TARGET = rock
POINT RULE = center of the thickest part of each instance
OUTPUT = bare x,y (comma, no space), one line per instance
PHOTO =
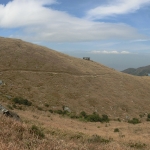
8,96
8,113
1,82
65,108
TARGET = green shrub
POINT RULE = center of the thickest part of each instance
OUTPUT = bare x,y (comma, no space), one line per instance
37,131
105,118
73,115
83,114
116,130
21,101
148,117
62,112
94,118
51,111
46,105
134,121
119,119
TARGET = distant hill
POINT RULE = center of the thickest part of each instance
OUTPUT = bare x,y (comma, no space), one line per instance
142,71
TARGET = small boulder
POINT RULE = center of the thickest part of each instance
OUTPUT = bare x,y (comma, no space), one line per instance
8,113
65,108
8,97
1,82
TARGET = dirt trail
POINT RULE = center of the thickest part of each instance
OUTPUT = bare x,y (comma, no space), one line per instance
52,72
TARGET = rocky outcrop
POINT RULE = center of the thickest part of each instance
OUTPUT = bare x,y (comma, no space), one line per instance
8,113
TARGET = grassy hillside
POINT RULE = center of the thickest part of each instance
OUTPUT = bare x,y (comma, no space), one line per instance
36,81
50,80
142,71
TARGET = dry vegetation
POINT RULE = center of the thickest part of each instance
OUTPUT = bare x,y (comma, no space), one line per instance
44,76
50,80
41,132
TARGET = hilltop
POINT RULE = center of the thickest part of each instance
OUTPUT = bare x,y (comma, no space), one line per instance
141,71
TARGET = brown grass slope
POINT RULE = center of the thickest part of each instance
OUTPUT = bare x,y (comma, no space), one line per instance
16,135
42,75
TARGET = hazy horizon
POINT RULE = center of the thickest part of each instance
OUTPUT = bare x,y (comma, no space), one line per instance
118,62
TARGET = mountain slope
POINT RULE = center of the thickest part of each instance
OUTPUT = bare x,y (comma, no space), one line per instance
142,71
50,80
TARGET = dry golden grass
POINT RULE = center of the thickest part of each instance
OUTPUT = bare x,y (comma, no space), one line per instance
44,76
64,133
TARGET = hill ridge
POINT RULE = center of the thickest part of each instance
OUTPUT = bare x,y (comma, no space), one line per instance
141,71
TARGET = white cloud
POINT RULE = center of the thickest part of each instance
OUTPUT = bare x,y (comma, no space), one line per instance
116,7
140,40
109,52
40,23
125,52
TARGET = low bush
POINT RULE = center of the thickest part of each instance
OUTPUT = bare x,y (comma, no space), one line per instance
46,105
148,117
83,114
51,111
134,121
73,116
94,118
105,118
116,130
21,101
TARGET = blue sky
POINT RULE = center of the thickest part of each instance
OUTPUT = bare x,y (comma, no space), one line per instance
115,33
